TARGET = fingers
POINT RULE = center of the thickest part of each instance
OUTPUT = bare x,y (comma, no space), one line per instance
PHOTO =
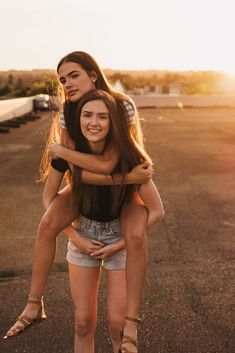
98,254
96,246
101,257
97,242
147,167
148,170
87,246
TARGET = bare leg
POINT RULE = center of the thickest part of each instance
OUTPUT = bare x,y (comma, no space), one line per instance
134,226
59,214
116,305
84,283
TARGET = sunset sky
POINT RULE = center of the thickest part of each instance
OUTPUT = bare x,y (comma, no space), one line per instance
123,34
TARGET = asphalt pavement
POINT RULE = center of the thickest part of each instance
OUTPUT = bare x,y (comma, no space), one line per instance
189,300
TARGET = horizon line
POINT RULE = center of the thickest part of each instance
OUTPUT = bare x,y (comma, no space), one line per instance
131,70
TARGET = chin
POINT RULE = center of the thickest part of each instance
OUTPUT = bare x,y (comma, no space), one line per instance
75,98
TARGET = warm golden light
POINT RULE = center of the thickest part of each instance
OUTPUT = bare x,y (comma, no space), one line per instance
161,34
231,72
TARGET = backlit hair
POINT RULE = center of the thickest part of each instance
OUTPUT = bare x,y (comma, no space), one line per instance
129,152
89,64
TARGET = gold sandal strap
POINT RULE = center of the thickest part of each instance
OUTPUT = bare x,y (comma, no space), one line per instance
16,330
129,339
25,320
125,350
38,302
138,320
35,297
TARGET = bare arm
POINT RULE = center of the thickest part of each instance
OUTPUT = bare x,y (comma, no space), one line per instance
97,169
93,247
85,244
66,140
152,200
138,175
103,164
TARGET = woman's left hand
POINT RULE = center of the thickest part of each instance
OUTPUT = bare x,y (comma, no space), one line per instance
141,174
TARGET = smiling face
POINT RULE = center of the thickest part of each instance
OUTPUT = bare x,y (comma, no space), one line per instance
95,124
75,80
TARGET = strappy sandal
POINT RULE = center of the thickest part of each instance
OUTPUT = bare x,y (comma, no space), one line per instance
128,339
26,321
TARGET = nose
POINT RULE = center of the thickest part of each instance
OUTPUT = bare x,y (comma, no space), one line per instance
67,82
94,120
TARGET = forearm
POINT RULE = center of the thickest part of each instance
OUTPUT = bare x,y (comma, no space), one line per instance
66,140
119,245
103,164
71,233
152,200
100,179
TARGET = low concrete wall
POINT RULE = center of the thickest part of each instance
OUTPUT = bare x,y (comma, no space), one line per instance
13,108
195,101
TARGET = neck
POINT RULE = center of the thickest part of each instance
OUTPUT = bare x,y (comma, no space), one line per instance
97,148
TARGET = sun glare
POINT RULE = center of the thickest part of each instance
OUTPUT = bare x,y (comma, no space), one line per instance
230,71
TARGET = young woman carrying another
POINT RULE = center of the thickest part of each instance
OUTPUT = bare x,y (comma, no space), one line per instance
97,124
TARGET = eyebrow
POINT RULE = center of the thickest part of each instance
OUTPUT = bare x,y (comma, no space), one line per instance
69,74
101,113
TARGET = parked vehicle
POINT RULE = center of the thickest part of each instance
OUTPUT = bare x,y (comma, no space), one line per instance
41,102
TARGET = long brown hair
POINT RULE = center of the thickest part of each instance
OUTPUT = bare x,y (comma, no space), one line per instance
89,64
119,136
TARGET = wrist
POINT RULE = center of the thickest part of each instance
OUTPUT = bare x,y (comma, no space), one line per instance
60,151
129,178
118,246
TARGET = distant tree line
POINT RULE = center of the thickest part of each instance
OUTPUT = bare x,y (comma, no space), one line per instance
29,83
192,82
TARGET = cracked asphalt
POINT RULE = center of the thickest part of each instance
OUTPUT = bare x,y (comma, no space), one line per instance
189,300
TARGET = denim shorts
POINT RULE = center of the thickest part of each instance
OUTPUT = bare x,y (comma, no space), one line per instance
106,232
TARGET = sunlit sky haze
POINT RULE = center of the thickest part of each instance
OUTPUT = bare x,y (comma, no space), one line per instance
124,34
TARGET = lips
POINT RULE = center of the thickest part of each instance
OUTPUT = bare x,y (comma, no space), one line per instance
94,130
72,93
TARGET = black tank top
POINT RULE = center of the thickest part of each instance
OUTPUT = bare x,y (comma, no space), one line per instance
101,211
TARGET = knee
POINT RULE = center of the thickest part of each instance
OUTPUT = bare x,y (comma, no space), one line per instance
84,326
48,226
136,239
